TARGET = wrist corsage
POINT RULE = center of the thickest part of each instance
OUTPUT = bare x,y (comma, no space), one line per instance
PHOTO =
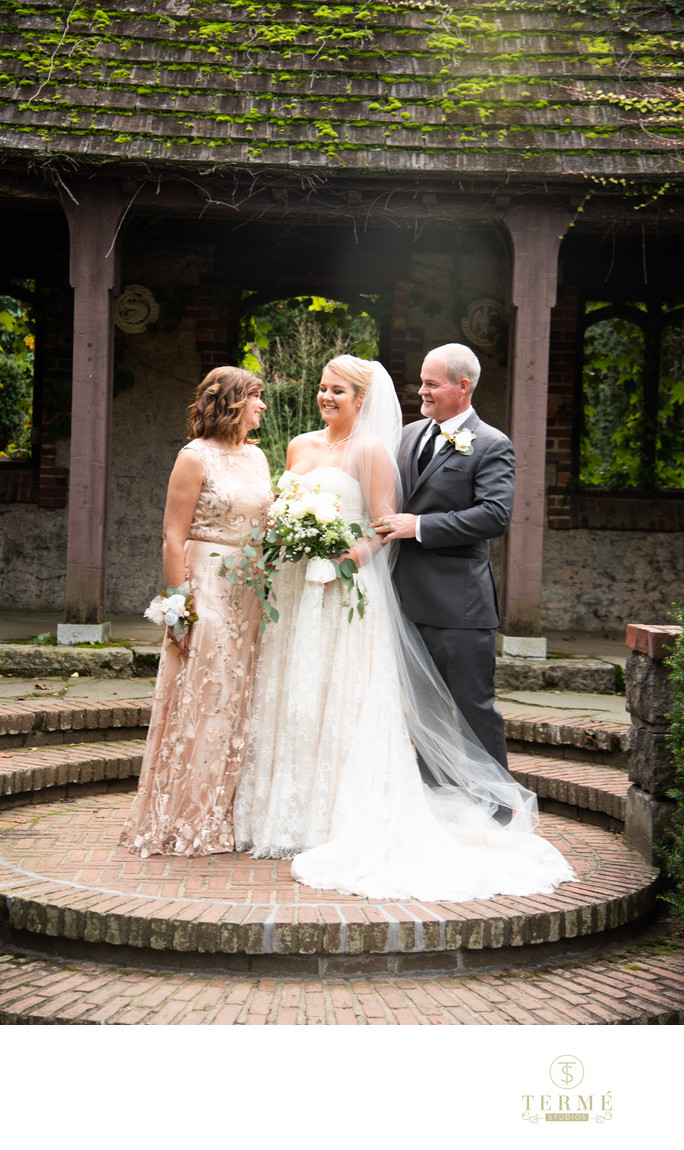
461,440
173,607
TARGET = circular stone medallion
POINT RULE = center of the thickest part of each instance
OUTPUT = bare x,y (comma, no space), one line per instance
135,309
484,323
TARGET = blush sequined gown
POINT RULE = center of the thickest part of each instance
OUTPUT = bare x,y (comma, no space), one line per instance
202,700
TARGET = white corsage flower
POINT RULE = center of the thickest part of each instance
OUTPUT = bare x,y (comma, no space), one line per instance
155,611
175,605
176,610
461,440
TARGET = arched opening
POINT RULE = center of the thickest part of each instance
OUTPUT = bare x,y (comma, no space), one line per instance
288,342
632,414
17,372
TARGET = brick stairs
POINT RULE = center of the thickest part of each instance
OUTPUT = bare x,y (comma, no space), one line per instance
90,933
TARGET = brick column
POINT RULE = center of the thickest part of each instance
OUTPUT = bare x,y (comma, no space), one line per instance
649,699
535,232
93,228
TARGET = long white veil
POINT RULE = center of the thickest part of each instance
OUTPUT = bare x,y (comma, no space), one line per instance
460,771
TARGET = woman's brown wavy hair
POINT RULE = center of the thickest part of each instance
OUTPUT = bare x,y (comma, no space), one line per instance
219,403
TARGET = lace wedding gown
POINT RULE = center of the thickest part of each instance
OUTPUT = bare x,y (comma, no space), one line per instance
331,775
200,713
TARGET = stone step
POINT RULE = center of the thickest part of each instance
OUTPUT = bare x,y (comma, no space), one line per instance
66,886
27,659
634,983
552,735
47,773
587,791
43,774
45,722
38,722
593,676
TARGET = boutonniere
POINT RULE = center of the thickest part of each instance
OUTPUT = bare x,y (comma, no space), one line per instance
460,440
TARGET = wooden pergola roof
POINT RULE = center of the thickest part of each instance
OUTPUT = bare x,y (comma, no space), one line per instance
480,91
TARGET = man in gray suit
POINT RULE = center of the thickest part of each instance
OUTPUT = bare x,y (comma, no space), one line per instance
458,475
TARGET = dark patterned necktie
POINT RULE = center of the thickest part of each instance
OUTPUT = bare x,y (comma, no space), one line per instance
428,449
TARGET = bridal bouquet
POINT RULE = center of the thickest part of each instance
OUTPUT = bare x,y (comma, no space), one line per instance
173,607
302,524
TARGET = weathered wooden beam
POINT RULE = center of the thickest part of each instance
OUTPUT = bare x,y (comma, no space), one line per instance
535,232
94,220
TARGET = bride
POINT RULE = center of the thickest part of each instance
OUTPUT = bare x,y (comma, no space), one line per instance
343,707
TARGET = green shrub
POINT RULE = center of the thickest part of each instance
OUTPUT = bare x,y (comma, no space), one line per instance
672,852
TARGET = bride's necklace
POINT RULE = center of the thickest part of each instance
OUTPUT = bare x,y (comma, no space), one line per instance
337,441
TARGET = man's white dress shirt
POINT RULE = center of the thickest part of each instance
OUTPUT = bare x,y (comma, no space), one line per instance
448,427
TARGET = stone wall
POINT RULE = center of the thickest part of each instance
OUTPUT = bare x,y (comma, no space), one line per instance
649,700
596,580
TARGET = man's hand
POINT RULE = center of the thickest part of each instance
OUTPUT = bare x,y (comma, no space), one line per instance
396,527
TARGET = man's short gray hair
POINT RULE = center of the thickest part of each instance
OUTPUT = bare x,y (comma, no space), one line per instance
460,363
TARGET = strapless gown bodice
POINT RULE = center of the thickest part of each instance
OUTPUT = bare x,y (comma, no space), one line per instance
341,484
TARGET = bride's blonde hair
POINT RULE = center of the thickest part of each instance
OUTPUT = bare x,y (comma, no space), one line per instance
357,372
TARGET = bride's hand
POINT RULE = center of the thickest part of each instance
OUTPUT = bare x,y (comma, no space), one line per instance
353,555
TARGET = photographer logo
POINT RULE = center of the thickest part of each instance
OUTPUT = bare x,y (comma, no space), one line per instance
566,1103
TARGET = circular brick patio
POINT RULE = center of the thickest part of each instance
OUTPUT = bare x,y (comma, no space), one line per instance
64,876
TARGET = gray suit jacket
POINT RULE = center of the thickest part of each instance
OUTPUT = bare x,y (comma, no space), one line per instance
463,501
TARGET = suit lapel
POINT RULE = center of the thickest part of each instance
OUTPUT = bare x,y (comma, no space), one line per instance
439,458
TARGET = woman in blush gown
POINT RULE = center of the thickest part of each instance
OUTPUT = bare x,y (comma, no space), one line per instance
219,489
343,708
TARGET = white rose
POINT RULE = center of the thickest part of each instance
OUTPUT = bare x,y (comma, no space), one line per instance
297,509
277,508
463,438
175,603
325,513
171,618
312,502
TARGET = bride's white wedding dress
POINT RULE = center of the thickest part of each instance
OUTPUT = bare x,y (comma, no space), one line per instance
331,774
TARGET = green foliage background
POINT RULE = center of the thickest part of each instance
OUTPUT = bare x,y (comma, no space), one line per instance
673,852
288,343
16,378
616,450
